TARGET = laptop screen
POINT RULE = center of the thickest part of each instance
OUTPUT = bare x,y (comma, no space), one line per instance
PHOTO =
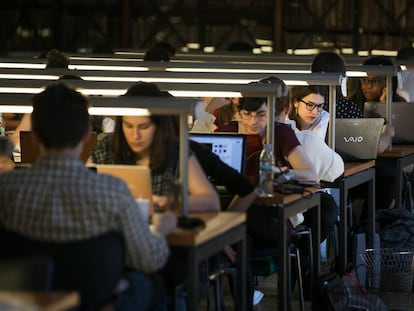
229,147
401,119
358,139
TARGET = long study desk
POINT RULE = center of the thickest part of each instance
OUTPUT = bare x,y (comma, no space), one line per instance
45,301
355,174
288,206
399,156
221,229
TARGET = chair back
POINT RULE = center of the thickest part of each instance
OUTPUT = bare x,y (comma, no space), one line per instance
90,266
30,149
28,273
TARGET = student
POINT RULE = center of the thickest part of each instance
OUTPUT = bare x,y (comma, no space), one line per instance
262,221
69,202
288,154
305,100
330,62
326,62
373,87
152,141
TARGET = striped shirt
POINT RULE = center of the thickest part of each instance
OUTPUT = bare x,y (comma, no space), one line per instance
58,199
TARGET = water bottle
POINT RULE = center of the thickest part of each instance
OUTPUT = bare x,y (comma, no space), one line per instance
267,162
2,126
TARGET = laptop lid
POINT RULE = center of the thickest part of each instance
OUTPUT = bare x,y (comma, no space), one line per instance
137,177
358,139
231,148
30,149
401,119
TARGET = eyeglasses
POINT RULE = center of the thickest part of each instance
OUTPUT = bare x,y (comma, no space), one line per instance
372,82
310,106
247,115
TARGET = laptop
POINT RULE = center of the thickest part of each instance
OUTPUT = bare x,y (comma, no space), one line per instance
30,149
137,177
358,139
231,148
401,119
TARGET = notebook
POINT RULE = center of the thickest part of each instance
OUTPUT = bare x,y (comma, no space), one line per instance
358,139
231,148
30,149
137,177
401,119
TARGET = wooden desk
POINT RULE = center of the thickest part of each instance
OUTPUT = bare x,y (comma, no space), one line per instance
355,174
288,206
222,229
45,301
399,156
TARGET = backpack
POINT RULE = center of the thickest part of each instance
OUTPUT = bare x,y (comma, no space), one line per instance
344,293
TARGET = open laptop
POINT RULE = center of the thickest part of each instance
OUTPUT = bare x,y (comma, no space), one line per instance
358,139
401,119
30,149
137,177
231,148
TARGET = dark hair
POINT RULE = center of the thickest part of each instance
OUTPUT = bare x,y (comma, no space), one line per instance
141,88
166,46
157,54
282,102
299,92
328,62
60,116
378,61
164,137
251,103
226,113
57,59
70,77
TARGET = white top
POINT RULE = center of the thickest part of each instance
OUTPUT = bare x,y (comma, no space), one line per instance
328,164
204,123
320,127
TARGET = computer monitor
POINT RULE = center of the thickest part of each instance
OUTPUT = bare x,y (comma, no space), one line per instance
231,148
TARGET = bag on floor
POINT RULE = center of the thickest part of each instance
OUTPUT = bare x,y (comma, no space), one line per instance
336,293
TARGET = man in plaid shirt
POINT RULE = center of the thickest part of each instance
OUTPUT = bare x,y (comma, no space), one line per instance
59,199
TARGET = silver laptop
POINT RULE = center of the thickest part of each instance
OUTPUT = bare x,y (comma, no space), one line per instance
402,119
358,139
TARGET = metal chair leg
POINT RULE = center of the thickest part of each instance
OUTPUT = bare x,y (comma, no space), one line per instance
296,254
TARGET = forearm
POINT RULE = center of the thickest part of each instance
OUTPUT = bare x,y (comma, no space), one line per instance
208,202
241,204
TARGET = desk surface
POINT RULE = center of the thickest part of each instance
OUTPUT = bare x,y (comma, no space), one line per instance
45,301
216,224
352,168
281,199
398,151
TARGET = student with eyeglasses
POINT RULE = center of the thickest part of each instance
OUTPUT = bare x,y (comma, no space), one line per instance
373,87
307,109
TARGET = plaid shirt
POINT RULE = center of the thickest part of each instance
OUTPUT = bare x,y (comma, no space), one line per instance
59,199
